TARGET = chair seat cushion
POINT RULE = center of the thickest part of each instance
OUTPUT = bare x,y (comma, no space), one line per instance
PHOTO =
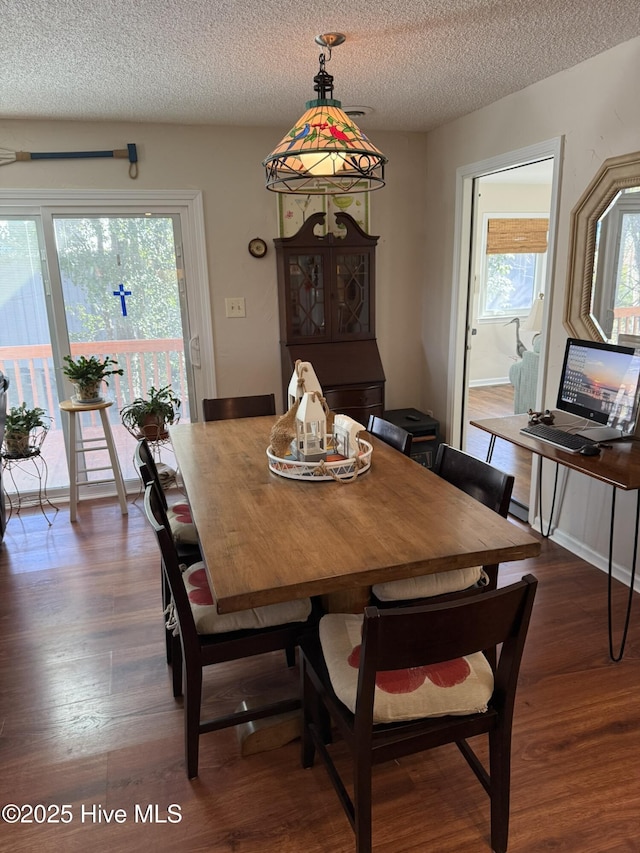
462,686
209,621
182,527
426,586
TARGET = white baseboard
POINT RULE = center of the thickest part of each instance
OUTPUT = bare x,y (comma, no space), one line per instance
600,561
482,383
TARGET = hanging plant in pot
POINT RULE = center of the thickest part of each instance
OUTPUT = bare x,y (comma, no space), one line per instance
149,417
88,374
20,438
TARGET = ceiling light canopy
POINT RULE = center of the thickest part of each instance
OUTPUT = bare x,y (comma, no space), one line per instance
325,152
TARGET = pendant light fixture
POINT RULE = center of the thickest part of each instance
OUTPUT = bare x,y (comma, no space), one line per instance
325,152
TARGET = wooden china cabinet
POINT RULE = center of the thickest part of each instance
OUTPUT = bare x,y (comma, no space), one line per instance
326,298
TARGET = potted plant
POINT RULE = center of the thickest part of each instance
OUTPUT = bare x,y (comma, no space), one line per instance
148,417
88,374
19,426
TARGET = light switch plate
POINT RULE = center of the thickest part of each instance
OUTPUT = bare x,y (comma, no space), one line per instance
235,306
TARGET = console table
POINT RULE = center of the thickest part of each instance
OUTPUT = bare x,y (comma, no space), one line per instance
617,465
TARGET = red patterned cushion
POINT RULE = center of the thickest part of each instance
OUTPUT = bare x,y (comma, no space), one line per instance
209,621
181,524
462,686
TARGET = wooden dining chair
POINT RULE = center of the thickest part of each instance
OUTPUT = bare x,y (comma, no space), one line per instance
224,408
179,514
186,540
486,484
207,637
390,433
399,681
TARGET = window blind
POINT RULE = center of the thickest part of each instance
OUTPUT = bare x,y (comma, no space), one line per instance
517,236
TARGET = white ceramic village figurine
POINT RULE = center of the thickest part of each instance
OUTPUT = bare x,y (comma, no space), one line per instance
310,443
302,379
345,436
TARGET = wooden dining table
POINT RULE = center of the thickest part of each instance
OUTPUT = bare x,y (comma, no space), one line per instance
267,539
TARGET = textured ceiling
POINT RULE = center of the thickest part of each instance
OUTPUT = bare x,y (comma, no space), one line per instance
417,63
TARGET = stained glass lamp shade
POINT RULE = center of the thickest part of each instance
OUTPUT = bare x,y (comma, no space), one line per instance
324,152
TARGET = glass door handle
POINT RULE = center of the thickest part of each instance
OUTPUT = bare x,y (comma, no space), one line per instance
194,349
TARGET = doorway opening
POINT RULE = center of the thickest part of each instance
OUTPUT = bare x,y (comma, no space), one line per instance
505,238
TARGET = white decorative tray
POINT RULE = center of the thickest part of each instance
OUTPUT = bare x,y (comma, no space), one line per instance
340,469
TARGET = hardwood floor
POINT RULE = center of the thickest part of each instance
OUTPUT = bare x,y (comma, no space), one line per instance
493,402
87,719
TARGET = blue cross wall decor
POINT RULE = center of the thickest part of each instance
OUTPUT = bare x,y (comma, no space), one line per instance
121,292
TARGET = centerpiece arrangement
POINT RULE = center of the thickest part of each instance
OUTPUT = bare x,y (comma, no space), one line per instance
88,374
310,442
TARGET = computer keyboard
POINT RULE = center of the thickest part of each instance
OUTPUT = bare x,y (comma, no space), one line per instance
569,441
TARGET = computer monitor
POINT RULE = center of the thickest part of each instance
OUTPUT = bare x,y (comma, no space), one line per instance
600,383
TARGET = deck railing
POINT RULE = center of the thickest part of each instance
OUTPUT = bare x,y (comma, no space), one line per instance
626,321
156,362
32,379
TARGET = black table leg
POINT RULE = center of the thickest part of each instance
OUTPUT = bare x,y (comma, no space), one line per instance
618,657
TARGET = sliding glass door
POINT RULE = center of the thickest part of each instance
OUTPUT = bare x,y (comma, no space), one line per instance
100,284
119,281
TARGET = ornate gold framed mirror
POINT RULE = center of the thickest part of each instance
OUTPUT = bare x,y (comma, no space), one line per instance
603,284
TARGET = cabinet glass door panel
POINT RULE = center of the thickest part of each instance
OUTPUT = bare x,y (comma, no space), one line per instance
307,296
353,315
326,295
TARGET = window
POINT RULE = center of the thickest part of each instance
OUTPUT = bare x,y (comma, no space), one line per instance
513,265
616,294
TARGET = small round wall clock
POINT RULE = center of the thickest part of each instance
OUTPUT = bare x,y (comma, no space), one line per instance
257,247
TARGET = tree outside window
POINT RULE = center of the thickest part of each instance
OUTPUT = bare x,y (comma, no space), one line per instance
514,263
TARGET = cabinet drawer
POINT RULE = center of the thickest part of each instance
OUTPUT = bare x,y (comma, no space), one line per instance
341,398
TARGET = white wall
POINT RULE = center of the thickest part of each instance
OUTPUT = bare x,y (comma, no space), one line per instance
224,163
595,107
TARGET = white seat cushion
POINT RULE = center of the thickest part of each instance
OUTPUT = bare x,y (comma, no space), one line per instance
182,527
462,686
426,586
209,621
